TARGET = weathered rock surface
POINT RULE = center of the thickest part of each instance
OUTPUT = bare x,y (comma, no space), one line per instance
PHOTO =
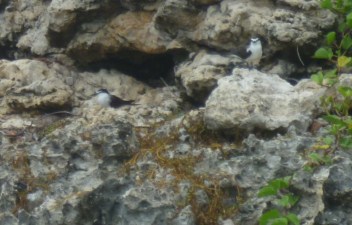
126,87
249,99
90,31
156,162
31,84
199,75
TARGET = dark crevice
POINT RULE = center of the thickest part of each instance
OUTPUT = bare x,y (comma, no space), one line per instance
152,69
290,55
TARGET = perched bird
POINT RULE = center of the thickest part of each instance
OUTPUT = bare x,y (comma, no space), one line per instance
256,52
105,99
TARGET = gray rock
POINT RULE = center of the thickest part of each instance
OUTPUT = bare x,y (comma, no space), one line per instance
338,186
33,85
249,99
119,205
139,164
227,222
74,28
8,219
185,217
199,75
229,25
117,145
64,167
340,215
284,69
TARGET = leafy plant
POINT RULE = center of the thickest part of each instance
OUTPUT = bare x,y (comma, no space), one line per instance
338,45
315,159
337,50
325,78
283,201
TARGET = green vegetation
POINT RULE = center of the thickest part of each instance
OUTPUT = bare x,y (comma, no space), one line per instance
283,201
337,105
338,43
320,156
337,52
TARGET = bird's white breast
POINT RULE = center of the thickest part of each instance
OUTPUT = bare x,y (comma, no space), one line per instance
103,99
256,52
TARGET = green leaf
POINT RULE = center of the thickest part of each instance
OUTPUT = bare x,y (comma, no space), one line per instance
287,200
342,61
328,140
318,78
339,3
267,191
342,27
346,142
268,216
292,200
346,42
315,157
331,73
326,4
287,180
348,122
333,119
308,168
348,6
280,183
345,91
323,53
326,159
279,221
330,37
349,19
284,201
336,129
292,218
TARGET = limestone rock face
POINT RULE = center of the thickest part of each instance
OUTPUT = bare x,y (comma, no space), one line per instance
336,192
199,75
227,24
128,30
249,99
118,84
30,85
89,31
164,159
141,205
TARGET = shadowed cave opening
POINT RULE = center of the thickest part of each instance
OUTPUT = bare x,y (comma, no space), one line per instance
156,70
297,56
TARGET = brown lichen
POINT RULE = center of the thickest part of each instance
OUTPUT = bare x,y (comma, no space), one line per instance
155,147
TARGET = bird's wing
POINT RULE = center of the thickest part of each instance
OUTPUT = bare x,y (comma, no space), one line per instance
249,49
117,102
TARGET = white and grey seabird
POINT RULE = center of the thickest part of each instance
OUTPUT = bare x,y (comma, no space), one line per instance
256,52
105,99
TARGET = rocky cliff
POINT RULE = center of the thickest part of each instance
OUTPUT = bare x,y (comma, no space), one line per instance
206,131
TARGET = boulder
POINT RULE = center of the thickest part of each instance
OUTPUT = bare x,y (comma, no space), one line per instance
249,99
34,85
199,74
